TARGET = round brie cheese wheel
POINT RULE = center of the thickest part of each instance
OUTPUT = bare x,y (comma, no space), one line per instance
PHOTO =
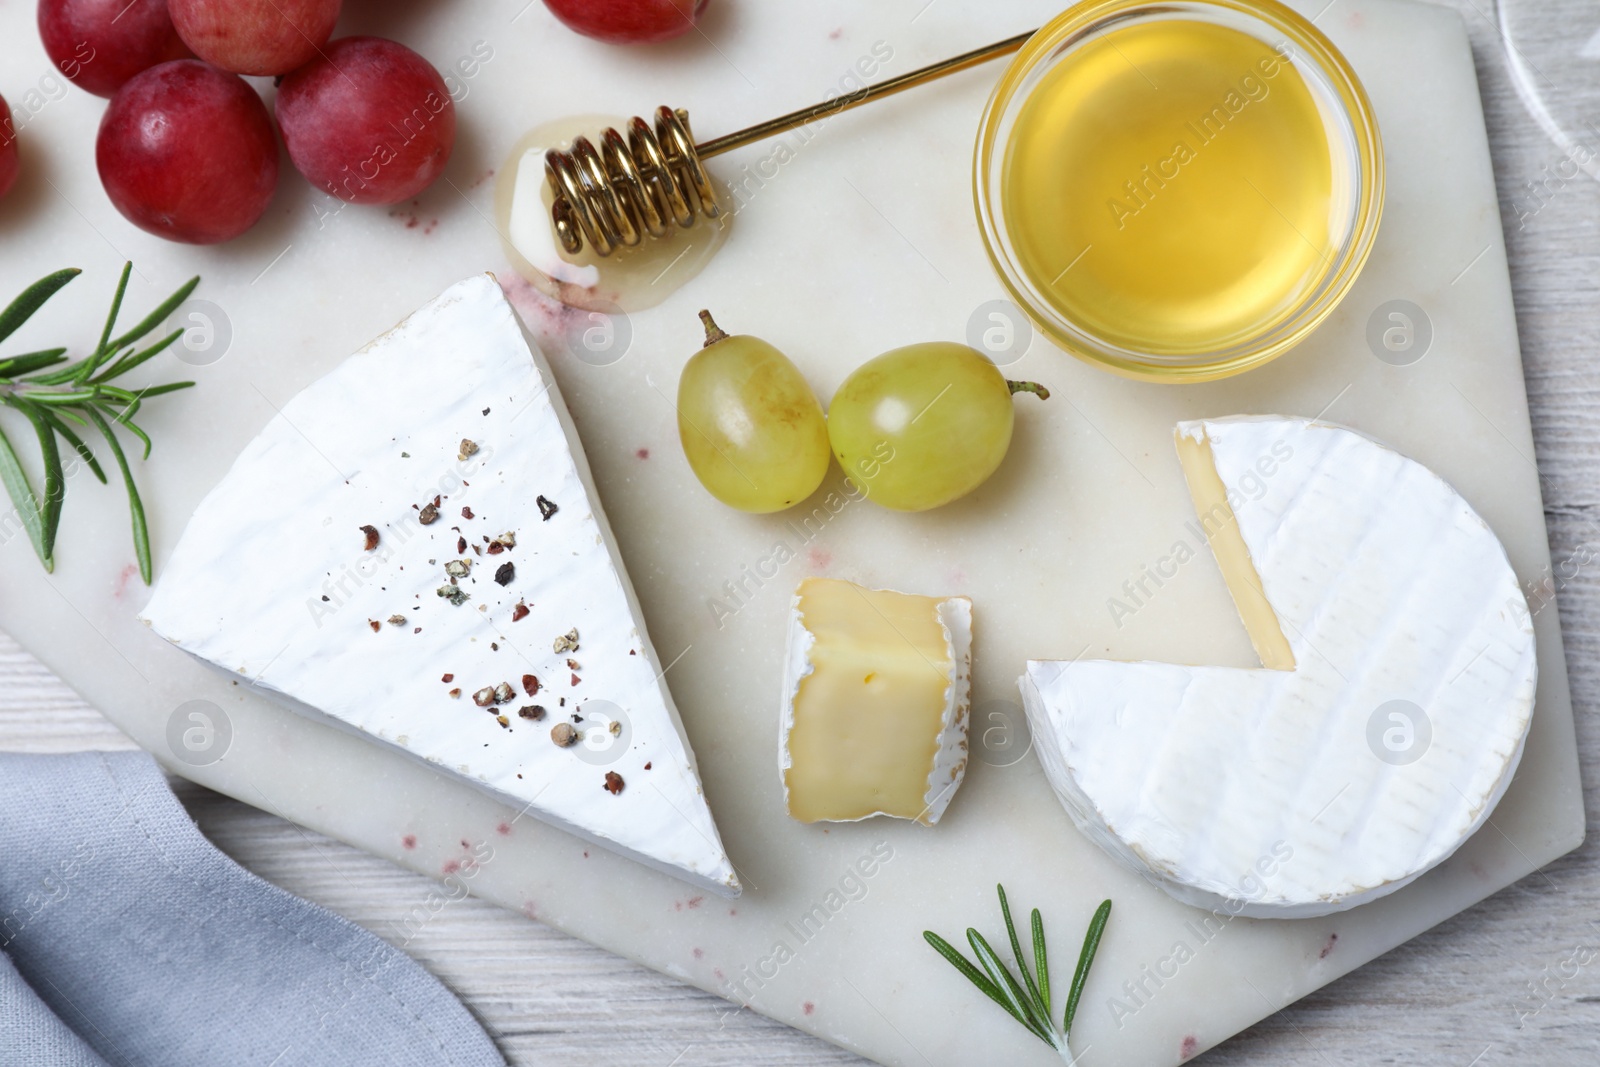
1386,721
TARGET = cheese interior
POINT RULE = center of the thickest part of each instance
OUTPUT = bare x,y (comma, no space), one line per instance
868,714
1227,545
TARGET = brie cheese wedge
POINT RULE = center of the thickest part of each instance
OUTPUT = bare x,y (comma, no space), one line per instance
877,694
414,549
1386,722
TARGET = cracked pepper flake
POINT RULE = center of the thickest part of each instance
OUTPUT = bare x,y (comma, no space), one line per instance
503,692
567,642
453,593
563,734
505,573
397,620
484,697
468,448
458,568
531,711
547,507
530,684
371,533
519,612
614,783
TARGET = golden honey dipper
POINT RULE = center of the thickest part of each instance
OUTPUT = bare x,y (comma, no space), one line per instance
615,194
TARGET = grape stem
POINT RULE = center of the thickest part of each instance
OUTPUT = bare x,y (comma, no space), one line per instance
1020,387
713,331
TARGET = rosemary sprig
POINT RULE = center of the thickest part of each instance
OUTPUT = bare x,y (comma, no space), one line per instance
1027,1001
49,396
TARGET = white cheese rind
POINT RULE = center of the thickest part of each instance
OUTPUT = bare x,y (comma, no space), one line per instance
796,666
950,762
1259,791
271,580
950,759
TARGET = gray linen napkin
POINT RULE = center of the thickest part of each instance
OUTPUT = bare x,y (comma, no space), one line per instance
137,944
30,1033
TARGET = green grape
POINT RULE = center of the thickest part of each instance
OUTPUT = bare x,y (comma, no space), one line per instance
751,427
922,425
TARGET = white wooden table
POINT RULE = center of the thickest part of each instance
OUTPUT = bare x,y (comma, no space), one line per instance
1514,981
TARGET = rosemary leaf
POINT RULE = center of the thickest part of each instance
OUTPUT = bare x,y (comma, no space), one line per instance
1039,962
28,362
68,413
131,360
140,434
1016,1000
116,306
115,392
163,390
1091,945
33,297
158,316
65,396
55,479
83,450
22,496
968,971
141,530
64,376
1022,963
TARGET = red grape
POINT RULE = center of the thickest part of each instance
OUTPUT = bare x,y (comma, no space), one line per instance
8,149
370,122
99,44
628,21
186,151
255,36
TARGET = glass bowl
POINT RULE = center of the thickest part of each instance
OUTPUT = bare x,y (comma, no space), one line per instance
1172,329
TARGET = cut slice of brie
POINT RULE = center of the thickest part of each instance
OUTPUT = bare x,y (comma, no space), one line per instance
876,701
414,549
1388,731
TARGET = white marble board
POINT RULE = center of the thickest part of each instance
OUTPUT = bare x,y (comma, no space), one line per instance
850,243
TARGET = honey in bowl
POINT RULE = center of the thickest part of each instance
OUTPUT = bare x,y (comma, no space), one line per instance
1179,191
